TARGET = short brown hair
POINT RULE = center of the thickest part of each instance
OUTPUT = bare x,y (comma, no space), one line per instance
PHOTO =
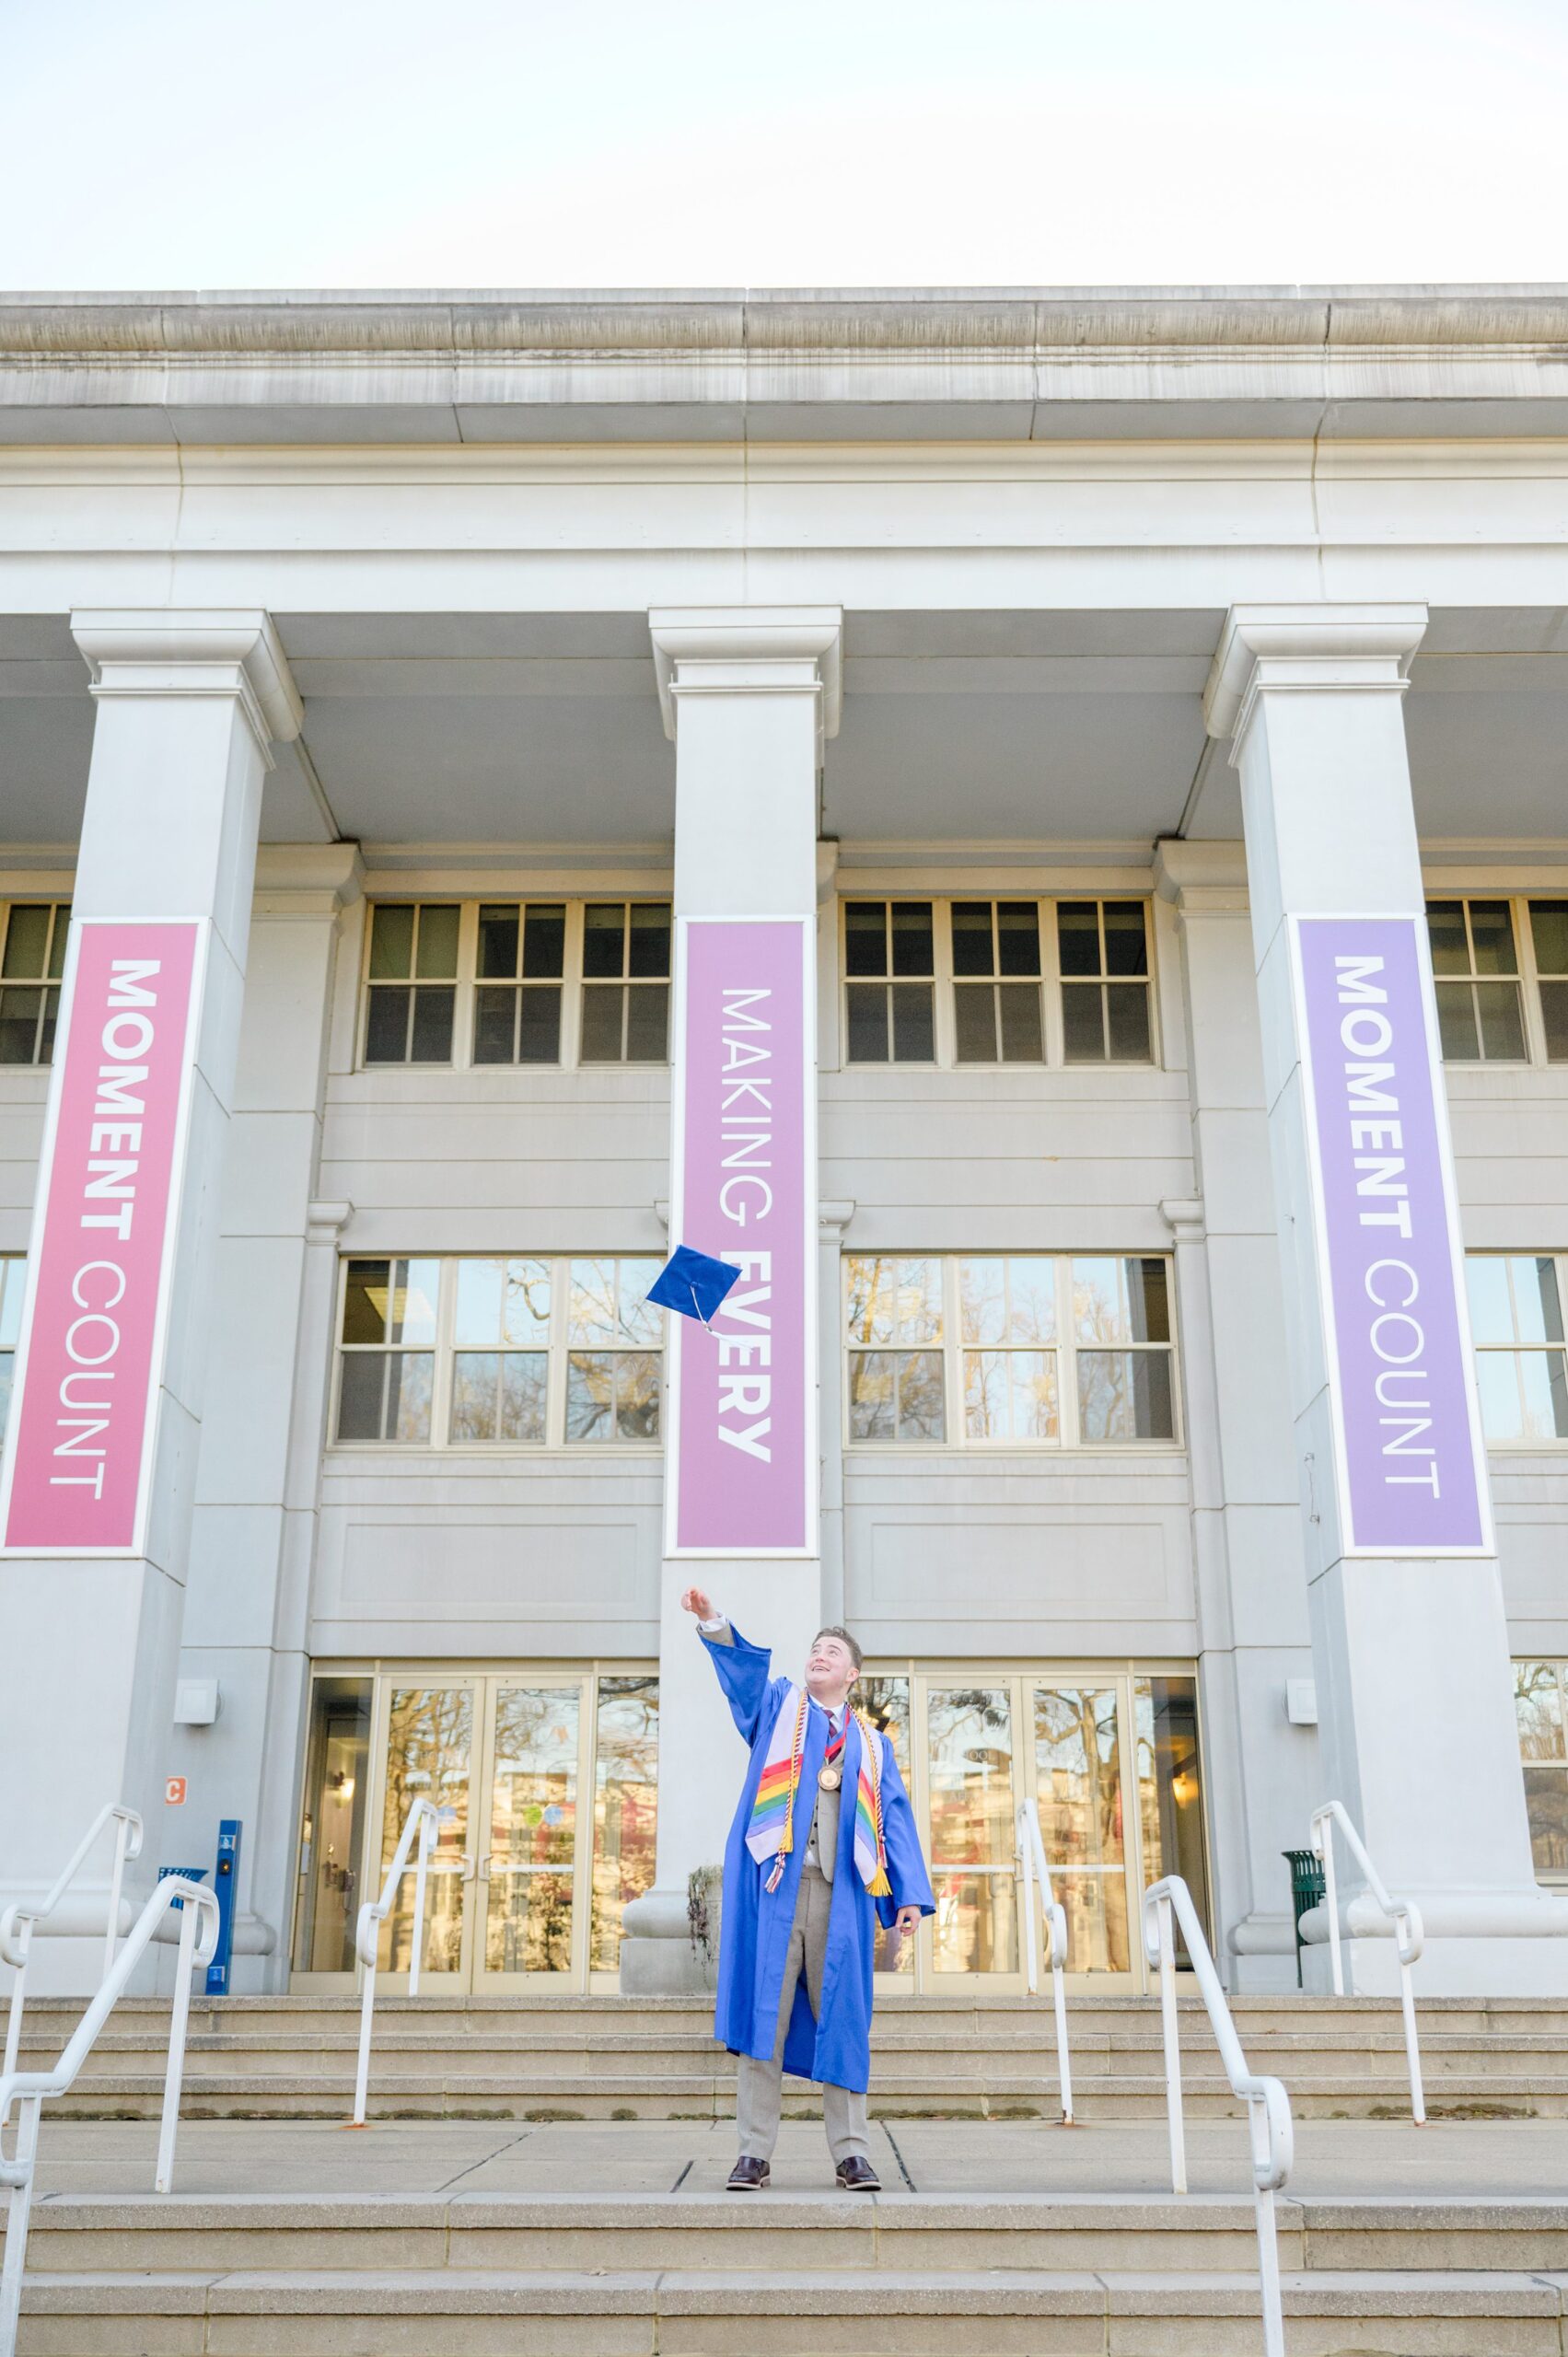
844,1639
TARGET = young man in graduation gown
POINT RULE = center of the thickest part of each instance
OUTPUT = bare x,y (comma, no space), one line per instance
822,1849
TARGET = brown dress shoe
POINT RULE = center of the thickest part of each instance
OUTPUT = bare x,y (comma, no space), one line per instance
856,2176
747,2176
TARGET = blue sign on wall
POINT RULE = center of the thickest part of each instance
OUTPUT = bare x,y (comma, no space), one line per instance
225,1878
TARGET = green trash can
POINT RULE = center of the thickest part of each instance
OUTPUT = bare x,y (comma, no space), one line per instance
1307,1889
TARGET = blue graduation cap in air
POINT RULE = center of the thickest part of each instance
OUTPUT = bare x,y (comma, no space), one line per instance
692,1284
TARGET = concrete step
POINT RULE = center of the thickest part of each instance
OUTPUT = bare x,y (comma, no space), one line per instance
1019,2312
782,2232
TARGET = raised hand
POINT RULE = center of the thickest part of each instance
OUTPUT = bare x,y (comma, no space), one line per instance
697,1602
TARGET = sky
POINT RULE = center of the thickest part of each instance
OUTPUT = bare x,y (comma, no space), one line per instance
163,145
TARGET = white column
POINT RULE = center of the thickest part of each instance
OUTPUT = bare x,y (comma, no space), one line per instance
1260,1771
188,705
748,696
1417,1733
254,1535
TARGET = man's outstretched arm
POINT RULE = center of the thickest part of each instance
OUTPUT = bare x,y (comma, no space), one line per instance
742,1668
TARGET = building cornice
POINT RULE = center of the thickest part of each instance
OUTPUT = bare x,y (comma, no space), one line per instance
1004,363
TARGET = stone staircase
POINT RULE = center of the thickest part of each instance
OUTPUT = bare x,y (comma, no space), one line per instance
537,2058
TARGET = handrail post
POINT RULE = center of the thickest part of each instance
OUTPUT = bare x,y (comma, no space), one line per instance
1403,1913
420,1871
1331,1900
1026,1866
1165,1935
1059,2002
116,1883
19,1997
1413,2046
174,2070
20,2175
362,2074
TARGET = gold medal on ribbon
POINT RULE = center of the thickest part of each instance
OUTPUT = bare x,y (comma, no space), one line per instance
830,1779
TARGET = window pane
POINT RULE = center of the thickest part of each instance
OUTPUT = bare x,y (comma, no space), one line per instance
871,1376
533,1793
410,1375
13,1285
1170,1803
975,1930
974,1008
921,1412
1127,1010
1545,1390
1455,1024
544,941
429,1748
475,1377
1096,1909
1124,1395
19,1011
1023,1040
1445,928
57,939
871,1313
1083,1023
650,938
918,1300
914,1030
602,1014
982,1298
361,1382
523,1374
366,1299
477,1317
1149,1307
494,1026
1538,1703
1549,930
1077,936
539,1027
499,933
867,1023
1031,1298
865,937
391,941
1491,1297
625,1807
637,1395
639,1319
1099,1307
591,1311
1010,1395
914,951
433,1011
1500,1018
590,1396
46,1037
1017,936
415,1296
1079,1776
1126,937
985,1395
1501,1399
1491,937
1537,1311
971,937
1554,1020
27,941
1546,1798
386,1027
525,1306
604,939
970,1734
647,1026
435,947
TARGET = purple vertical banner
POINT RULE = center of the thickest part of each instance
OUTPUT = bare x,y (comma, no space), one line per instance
1411,1463
740,1464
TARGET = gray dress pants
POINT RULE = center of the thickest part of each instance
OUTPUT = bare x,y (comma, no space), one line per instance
759,2085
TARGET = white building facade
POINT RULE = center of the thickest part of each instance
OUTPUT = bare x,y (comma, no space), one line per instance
425,694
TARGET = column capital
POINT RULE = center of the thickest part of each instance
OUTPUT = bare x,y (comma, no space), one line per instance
749,650
174,651
1311,647
1204,876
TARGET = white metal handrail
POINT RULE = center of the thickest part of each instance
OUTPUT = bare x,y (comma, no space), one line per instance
1032,1865
1268,2105
20,1922
1410,1934
423,1821
30,2090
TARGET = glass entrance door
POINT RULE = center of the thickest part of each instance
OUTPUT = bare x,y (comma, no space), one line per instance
1111,1758
544,1786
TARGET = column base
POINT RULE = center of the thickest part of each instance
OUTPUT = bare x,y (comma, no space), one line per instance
1477,1944
660,1956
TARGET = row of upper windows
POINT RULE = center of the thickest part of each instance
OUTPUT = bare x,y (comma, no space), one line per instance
939,983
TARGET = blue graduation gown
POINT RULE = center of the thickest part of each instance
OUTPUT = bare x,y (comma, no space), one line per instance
755,1923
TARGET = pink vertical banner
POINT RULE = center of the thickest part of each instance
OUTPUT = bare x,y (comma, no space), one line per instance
740,1465
89,1363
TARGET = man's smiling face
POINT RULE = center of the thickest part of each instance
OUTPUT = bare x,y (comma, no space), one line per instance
829,1669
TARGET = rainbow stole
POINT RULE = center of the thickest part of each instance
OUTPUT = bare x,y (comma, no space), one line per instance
771,1834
